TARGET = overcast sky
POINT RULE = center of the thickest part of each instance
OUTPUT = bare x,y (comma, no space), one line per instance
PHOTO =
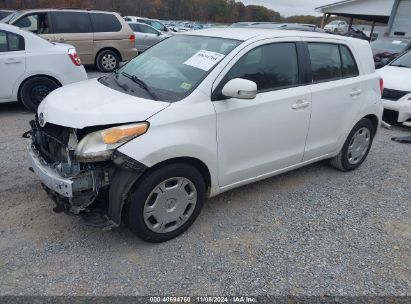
291,7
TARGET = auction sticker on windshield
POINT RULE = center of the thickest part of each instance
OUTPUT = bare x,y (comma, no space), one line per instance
204,60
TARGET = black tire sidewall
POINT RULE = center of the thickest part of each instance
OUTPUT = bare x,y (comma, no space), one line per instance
100,57
142,189
363,123
27,86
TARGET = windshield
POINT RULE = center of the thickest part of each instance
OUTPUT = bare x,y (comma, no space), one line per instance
334,22
10,17
403,61
173,68
390,45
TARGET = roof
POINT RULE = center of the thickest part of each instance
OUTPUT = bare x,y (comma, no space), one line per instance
244,34
372,10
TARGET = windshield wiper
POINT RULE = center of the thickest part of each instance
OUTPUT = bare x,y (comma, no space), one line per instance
401,66
141,83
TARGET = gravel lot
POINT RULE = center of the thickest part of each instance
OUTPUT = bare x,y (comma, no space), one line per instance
313,231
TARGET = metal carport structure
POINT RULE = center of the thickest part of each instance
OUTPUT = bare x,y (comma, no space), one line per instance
369,10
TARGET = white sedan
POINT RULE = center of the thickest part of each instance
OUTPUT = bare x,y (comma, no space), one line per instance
396,97
31,67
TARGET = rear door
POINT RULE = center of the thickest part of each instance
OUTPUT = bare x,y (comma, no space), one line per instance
74,28
12,62
337,95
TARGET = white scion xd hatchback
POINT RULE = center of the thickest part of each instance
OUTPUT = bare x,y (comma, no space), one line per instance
199,114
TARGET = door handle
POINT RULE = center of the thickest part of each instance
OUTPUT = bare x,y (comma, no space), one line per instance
62,39
355,92
301,104
12,61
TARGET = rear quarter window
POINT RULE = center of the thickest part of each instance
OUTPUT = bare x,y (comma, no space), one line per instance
104,23
349,66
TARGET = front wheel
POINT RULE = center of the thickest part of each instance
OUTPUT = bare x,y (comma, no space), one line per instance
356,147
166,202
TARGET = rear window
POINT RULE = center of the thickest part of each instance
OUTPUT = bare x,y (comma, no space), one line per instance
105,22
71,22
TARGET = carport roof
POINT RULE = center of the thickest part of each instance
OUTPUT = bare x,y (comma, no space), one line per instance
371,10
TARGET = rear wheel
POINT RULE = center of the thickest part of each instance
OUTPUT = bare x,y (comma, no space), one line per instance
107,61
356,147
166,202
34,90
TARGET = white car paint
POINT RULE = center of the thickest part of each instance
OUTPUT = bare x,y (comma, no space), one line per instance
40,57
398,78
230,136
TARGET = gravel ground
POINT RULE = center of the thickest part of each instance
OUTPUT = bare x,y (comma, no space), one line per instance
313,231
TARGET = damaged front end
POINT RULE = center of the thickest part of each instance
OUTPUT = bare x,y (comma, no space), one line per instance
78,176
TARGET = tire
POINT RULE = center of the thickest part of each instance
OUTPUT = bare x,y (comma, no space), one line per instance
107,61
34,90
147,214
356,147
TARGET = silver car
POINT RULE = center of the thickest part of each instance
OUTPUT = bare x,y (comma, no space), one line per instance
146,35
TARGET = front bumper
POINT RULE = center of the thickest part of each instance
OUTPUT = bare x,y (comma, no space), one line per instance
68,187
402,106
48,175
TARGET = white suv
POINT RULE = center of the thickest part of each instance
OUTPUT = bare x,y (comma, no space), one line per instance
199,114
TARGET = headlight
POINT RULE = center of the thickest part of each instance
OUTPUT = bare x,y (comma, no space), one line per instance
98,146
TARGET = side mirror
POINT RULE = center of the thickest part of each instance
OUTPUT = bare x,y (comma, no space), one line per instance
240,88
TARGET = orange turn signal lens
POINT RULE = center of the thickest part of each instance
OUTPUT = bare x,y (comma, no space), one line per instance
122,133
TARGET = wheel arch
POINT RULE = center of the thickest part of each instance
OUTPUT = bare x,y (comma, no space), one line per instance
36,76
108,48
374,120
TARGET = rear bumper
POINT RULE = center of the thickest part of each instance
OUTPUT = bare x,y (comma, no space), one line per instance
128,54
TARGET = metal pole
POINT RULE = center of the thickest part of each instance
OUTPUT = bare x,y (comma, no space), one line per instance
372,30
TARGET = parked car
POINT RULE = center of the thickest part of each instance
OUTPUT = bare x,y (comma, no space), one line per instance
396,97
289,26
101,38
387,49
337,26
5,13
201,113
154,23
31,67
146,35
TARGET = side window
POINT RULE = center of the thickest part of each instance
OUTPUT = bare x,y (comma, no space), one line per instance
3,42
147,29
70,22
271,66
35,23
349,67
105,23
325,61
10,42
158,26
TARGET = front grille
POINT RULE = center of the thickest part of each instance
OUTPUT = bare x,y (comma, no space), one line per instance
393,95
51,141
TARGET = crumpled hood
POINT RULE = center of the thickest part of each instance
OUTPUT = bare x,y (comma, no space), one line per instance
90,103
396,78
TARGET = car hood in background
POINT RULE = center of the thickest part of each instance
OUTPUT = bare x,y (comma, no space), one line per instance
396,78
89,103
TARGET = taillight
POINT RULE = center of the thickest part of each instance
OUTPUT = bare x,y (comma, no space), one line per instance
74,57
381,85
132,38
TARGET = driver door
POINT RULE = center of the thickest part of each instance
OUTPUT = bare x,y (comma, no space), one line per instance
258,137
